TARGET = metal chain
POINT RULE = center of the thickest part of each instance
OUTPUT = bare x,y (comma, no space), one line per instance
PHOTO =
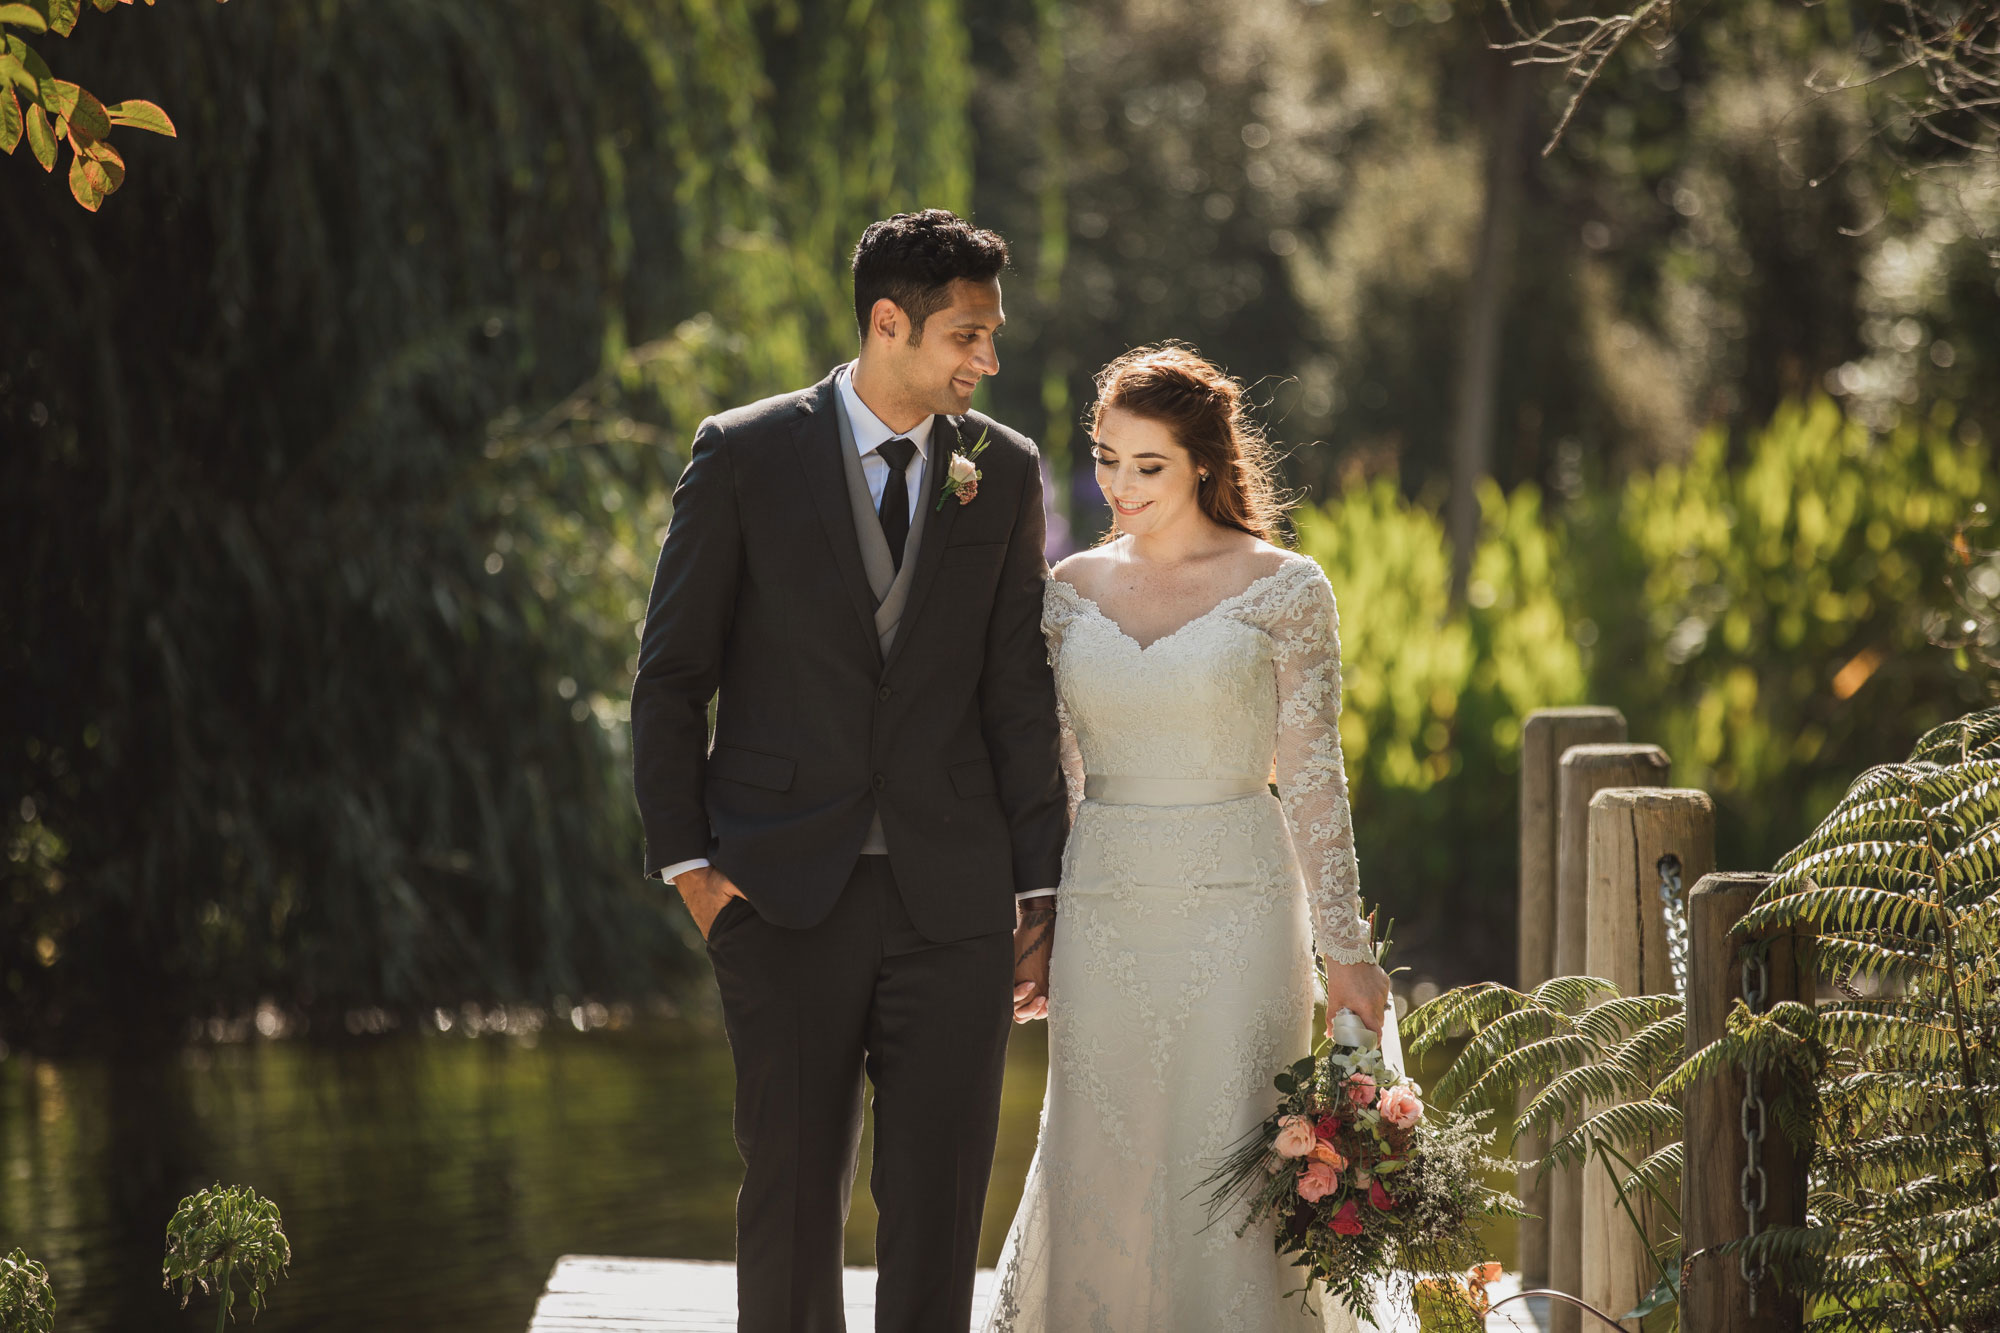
1673,909
1753,1189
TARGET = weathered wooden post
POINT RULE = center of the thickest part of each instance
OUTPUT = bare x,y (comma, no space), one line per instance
1645,844
1585,771
1544,736
1717,1181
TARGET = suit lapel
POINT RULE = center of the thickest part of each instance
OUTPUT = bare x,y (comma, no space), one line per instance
817,441
937,525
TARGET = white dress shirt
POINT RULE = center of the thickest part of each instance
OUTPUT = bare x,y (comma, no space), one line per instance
870,434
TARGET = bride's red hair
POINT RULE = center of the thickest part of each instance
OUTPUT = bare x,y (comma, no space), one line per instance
1173,384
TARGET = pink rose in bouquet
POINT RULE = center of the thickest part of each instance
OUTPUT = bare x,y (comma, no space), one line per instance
1401,1106
1295,1136
1348,1220
1361,1090
1317,1181
1326,1152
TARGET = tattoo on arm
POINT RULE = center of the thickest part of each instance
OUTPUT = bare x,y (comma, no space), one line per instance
1038,925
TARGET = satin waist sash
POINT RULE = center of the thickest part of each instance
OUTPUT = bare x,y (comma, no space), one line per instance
1170,791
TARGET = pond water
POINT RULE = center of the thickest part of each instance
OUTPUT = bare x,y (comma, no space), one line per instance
428,1181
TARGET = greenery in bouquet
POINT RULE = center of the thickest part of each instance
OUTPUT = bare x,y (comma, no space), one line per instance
1370,1191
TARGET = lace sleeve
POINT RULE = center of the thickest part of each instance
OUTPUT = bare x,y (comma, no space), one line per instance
1312,777
1058,609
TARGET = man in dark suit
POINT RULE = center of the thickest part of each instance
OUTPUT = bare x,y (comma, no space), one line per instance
870,844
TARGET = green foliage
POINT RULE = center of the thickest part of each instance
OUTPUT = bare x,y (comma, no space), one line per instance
1901,884
62,111
27,1301
1768,618
221,1237
1433,696
332,533
1894,1083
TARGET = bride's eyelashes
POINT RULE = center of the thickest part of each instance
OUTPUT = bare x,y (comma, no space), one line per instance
1102,461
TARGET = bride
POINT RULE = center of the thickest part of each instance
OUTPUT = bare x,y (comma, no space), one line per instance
1189,653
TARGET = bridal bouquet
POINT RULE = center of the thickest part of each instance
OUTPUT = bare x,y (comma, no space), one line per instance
1372,1191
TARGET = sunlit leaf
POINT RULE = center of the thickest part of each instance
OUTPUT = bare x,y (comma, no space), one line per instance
62,15
106,6
89,121
23,16
15,72
40,138
10,121
141,115
87,192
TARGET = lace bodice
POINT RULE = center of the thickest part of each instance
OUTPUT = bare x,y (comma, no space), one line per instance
1253,679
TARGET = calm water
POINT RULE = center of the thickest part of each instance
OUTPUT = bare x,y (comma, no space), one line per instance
428,1181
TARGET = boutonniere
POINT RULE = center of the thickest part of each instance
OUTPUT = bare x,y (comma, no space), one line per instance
961,478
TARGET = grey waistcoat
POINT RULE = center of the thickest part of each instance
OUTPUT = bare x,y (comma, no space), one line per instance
890,585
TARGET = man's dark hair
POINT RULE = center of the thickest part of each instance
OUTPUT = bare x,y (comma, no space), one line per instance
913,258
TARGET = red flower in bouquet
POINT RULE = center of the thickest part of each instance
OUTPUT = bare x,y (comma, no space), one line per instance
1348,1220
1328,1127
1379,1196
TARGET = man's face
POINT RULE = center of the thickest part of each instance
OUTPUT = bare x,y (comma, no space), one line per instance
939,373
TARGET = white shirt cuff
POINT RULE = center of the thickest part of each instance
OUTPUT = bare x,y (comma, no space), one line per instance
1034,893
682,867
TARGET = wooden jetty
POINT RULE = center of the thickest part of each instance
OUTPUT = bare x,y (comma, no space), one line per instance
599,1294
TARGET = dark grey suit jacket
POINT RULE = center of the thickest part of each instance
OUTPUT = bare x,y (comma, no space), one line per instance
760,603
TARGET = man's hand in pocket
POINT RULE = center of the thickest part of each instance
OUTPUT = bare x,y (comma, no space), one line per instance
706,891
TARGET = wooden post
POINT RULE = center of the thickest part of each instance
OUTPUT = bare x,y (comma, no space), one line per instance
1585,771
1631,830
1544,736
1715,1295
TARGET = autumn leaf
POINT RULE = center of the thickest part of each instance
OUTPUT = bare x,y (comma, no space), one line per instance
141,115
40,139
24,16
88,120
10,121
81,186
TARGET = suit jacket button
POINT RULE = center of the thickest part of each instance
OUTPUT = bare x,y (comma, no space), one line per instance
884,693
880,782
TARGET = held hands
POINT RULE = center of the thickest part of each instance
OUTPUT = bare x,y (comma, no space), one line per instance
1362,988
705,890
1034,941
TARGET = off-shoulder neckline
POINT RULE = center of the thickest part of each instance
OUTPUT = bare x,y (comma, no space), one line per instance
1255,585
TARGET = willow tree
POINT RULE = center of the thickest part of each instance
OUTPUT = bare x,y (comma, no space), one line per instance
324,570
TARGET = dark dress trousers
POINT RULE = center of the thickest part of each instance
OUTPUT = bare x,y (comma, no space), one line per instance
836,963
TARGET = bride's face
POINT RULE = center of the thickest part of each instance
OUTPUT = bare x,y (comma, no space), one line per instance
1148,479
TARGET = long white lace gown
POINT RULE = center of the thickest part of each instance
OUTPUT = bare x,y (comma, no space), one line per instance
1182,980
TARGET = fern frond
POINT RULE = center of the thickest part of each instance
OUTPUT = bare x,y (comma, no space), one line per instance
1460,1009
1509,1032
1624,1126
1855,908
1571,994
1614,1019
1661,1171
1570,1092
1653,1049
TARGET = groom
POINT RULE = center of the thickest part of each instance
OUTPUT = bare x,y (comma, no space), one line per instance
882,784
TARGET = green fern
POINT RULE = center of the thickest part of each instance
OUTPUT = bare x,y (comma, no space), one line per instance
1895,1083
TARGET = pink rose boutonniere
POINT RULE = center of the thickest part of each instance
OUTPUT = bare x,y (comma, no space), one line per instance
961,478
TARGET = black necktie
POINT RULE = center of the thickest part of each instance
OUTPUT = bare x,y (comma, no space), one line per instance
895,511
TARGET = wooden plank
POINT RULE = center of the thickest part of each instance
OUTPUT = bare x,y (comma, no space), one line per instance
589,1293
1584,770
1715,1295
1545,736
1631,828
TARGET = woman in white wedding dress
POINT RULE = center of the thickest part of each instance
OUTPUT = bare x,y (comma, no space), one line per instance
1190,654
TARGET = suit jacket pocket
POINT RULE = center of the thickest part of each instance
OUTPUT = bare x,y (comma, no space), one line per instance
973,778
768,771
974,554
